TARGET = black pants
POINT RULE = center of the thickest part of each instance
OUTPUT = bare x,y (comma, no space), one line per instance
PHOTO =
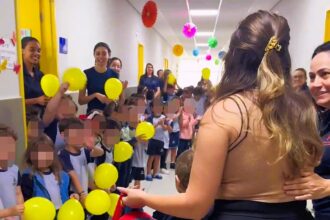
250,210
124,172
163,159
183,146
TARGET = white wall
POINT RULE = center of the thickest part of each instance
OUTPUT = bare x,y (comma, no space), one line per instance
9,80
307,22
116,22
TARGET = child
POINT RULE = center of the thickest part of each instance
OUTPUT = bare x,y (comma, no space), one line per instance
156,144
187,122
173,111
109,137
75,157
182,175
10,179
43,176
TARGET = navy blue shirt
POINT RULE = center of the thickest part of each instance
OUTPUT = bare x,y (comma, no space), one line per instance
95,83
323,205
152,83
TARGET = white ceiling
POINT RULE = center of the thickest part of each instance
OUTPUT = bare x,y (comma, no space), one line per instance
173,14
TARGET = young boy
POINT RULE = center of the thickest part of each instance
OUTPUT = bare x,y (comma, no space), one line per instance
75,157
182,175
10,178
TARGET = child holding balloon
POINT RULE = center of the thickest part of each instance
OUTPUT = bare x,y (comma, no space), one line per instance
43,176
75,157
10,178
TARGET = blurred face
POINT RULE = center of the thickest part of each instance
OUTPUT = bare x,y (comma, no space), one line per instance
111,137
31,53
116,66
189,106
320,79
298,79
76,137
8,150
172,107
150,69
66,109
43,158
161,74
157,108
34,129
101,56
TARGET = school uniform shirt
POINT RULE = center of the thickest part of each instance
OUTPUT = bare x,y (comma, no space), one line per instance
166,140
159,131
78,163
152,82
32,87
95,84
54,192
200,106
9,180
107,157
140,156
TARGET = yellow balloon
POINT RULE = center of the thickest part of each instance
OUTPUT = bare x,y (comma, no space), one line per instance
50,85
178,50
105,175
97,202
114,200
171,79
76,78
145,129
38,208
113,88
206,72
71,209
122,152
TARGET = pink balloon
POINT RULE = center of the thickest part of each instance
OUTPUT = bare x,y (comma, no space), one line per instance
208,57
189,30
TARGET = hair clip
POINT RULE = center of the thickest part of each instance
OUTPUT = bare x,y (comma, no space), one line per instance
273,44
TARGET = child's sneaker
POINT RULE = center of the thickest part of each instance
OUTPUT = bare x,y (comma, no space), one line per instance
164,171
149,178
157,176
172,166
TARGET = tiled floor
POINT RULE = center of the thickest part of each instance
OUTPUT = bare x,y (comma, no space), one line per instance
165,186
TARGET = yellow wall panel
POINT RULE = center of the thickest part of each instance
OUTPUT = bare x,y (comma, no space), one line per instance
327,27
140,61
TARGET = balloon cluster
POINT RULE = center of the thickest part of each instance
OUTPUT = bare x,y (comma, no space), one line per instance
77,81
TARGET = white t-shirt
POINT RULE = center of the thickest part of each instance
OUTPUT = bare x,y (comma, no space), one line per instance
200,106
140,156
54,192
159,133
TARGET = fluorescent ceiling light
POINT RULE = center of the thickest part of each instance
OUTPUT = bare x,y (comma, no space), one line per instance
205,33
202,45
211,12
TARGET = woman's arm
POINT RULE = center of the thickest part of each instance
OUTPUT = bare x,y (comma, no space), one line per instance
207,168
83,98
41,100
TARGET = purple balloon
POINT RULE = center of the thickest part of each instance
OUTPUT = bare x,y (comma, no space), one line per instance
189,30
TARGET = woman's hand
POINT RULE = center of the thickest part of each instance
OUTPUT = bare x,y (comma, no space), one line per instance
134,197
309,186
102,98
42,100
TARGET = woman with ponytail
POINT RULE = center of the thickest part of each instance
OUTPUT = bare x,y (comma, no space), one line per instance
257,134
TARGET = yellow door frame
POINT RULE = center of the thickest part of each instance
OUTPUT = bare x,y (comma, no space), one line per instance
327,27
140,60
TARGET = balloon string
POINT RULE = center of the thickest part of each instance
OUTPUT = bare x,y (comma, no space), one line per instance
217,18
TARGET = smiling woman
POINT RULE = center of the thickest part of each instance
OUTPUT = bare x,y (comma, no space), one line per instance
96,78
32,75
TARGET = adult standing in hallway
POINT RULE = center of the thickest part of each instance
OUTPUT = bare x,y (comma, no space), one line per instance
96,78
256,134
150,82
299,81
316,185
34,95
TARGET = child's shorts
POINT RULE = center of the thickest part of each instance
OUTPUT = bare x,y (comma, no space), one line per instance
174,139
155,147
138,173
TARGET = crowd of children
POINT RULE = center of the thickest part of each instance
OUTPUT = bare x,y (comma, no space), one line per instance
61,165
